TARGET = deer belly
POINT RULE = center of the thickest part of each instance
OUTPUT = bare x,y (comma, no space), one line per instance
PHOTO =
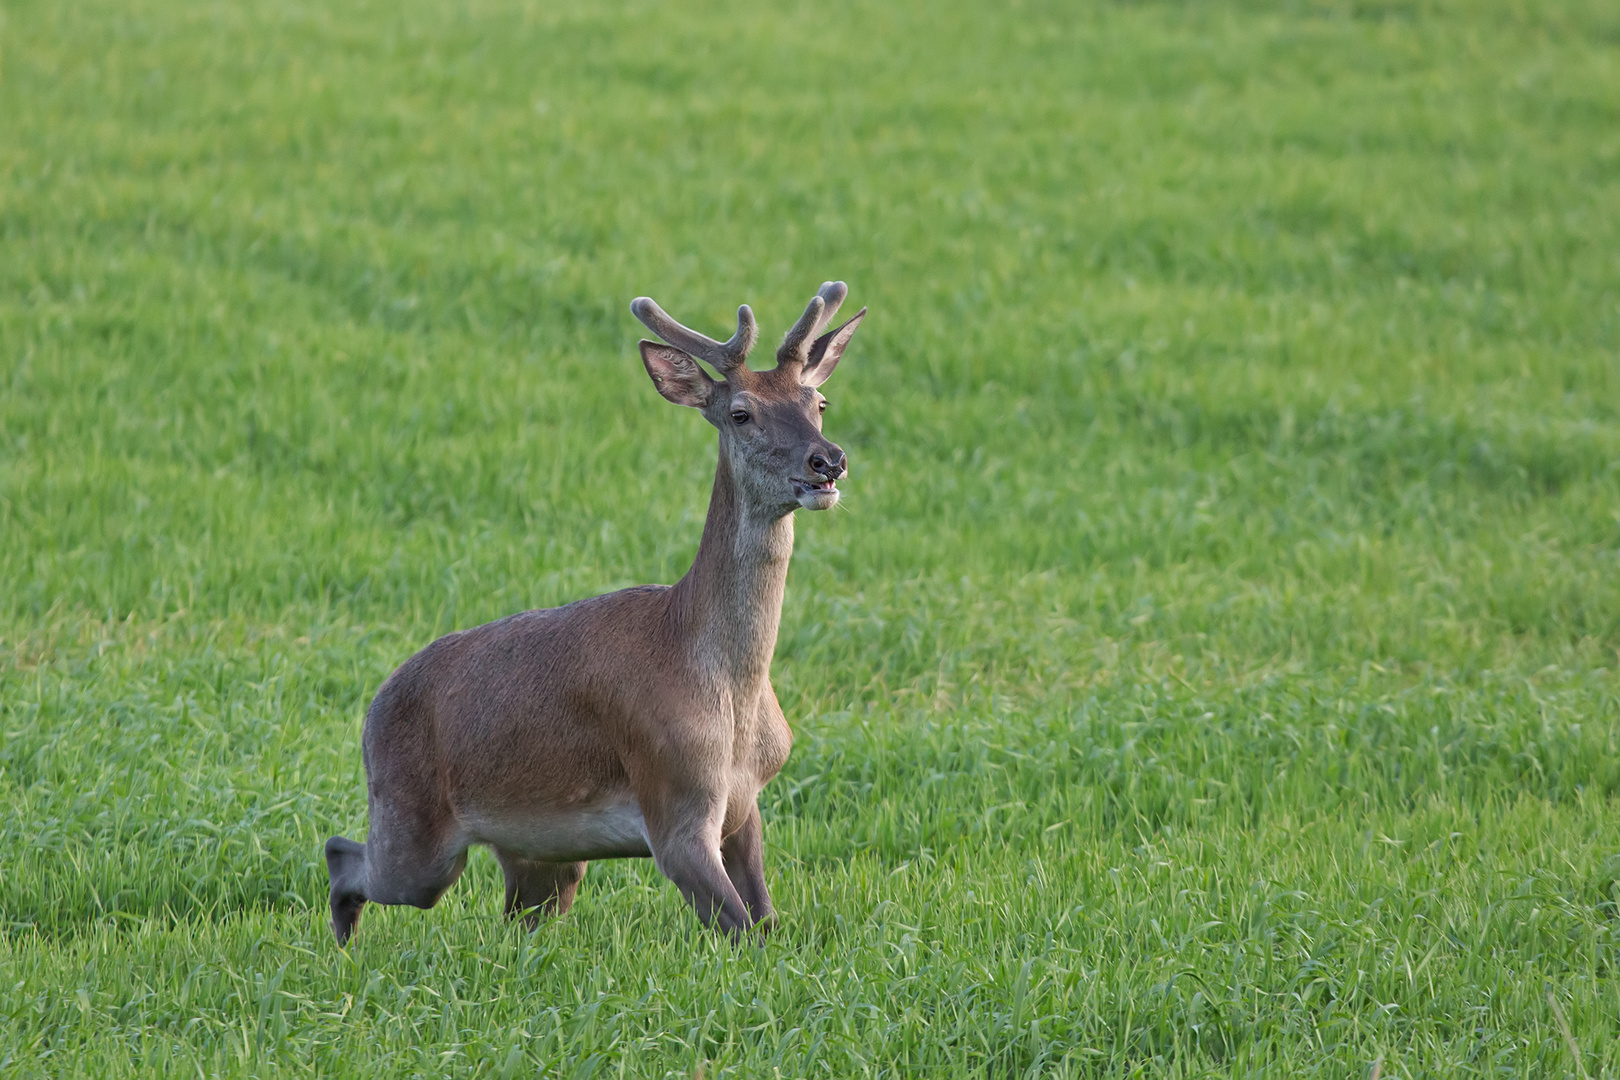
600,830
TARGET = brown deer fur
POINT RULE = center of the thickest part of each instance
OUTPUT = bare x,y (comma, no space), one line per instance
637,723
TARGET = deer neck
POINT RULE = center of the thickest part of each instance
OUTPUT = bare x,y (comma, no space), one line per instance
730,602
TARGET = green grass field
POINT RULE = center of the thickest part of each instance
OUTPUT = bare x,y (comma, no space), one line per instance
1214,672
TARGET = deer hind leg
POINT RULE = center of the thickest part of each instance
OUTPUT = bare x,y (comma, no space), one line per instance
743,856
346,867
534,887
389,869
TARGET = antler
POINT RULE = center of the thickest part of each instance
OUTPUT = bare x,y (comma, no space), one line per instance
725,357
795,348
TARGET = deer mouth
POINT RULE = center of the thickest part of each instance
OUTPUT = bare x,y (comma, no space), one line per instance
815,494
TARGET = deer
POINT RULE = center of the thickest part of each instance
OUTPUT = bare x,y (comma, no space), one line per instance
639,723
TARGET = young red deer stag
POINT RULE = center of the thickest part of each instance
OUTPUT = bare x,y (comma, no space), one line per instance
637,723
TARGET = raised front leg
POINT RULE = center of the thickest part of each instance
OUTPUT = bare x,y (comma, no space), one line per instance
685,842
534,888
696,870
743,856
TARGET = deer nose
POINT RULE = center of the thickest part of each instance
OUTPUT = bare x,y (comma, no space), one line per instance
828,461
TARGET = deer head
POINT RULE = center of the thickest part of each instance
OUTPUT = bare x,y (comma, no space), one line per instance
769,421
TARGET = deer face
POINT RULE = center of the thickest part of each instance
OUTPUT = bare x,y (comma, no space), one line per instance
771,435
769,421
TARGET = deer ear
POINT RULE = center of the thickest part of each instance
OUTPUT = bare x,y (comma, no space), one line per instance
827,350
677,375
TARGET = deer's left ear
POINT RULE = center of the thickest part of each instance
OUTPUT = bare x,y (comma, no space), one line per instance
827,350
676,375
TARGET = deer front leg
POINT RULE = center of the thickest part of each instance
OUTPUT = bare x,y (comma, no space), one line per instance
686,848
743,856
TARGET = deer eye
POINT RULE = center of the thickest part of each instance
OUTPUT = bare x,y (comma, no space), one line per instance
738,416
821,406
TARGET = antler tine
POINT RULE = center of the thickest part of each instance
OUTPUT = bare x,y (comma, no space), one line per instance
725,356
795,348
742,342
833,293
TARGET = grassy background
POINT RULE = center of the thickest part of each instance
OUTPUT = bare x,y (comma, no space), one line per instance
1213,674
